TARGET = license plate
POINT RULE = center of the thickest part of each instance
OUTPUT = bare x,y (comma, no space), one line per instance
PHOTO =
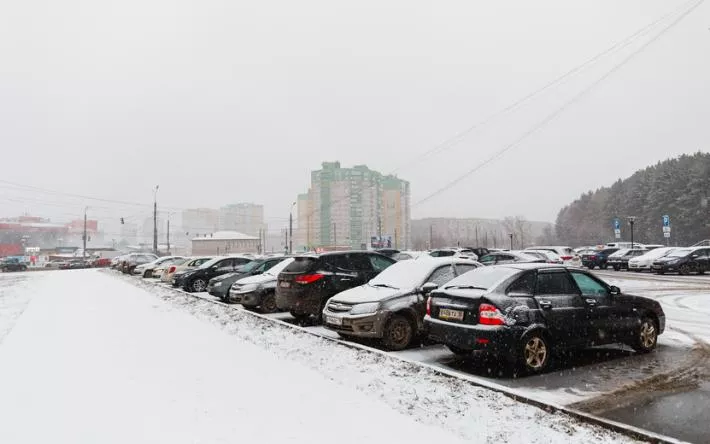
456,315
334,320
285,284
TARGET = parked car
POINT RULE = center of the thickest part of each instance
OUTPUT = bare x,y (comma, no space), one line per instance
598,258
101,262
180,267
12,264
159,270
219,286
508,257
684,261
195,279
146,270
389,252
259,291
391,307
131,261
524,312
620,259
309,281
565,253
117,261
75,264
547,255
455,252
644,262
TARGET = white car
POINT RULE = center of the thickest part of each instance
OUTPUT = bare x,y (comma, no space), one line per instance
567,254
645,261
146,270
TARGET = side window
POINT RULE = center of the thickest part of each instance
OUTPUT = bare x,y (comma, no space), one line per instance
554,283
442,275
588,285
464,268
524,285
505,257
379,263
224,265
487,259
266,266
341,262
238,261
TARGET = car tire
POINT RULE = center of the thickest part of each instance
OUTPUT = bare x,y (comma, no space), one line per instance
198,285
617,268
535,352
684,270
146,275
398,333
459,351
646,336
300,317
268,303
603,267
591,267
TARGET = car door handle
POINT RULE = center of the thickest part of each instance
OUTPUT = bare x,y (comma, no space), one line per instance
545,304
591,302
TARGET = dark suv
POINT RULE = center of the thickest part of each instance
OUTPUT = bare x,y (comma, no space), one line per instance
598,258
197,278
684,261
522,312
307,283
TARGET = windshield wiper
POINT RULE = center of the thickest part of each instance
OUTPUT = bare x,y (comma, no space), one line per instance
466,287
385,286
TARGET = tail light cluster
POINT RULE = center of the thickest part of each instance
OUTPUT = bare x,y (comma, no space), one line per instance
428,306
489,315
308,278
566,258
172,269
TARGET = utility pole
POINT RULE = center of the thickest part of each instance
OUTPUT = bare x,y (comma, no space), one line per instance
431,236
379,230
290,229
155,220
168,235
632,219
308,232
335,237
477,237
511,241
83,254
395,239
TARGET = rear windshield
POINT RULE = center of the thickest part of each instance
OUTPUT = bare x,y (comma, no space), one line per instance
483,277
301,265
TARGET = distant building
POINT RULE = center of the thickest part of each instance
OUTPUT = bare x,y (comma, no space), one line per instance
196,221
225,242
148,229
247,218
353,208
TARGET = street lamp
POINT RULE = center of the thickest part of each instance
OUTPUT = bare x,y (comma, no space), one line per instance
290,229
631,220
511,241
155,220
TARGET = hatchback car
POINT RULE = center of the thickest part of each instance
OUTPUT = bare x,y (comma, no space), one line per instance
307,283
620,259
258,291
146,270
391,307
521,312
645,261
219,286
510,257
181,267
567,254
684,261
597,258
196,279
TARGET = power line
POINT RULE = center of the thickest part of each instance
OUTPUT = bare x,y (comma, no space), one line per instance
561,109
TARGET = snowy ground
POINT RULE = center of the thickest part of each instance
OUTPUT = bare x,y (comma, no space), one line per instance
94,359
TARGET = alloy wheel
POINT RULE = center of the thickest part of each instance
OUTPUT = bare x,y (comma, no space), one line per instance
647,334
535,353
199,285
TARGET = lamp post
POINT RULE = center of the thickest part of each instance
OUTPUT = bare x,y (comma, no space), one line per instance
290,229
511,241
631,220
155,220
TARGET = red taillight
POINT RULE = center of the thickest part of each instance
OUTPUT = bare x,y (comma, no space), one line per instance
489,315
171,269
308,278
566,258
428,306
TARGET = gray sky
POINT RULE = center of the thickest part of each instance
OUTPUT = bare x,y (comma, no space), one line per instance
223,101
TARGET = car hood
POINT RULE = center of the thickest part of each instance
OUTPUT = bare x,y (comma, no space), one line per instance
368,293
258,279
223,277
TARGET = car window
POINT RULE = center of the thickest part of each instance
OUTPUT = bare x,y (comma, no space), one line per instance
487,259
464,268
348,262
379,263
237,261
588,285
524,285
227,264
442,275
554,283
505,257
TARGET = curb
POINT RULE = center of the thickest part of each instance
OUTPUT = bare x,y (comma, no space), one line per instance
624,429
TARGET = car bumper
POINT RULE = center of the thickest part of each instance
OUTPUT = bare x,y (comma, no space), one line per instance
497,339
220,292
249,299
299,302
361,326
664,268
639,266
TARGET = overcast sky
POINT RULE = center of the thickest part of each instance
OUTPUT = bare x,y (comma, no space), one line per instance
222,101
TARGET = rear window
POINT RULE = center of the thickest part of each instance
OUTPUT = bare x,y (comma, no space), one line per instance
483,277
301,265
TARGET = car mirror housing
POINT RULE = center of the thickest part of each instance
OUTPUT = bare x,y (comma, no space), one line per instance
428,287
614,290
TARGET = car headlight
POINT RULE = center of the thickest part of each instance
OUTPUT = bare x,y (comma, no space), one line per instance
368,308
248,288
218,284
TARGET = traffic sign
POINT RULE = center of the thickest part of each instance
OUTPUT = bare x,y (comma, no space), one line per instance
666,220
666,229
667,234
617,225
617,231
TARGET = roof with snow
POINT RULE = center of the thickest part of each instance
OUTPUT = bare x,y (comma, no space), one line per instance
225,235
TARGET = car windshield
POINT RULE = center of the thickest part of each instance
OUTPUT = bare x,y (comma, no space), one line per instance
249,266
211,262
681,252
406,274
483,277
278,268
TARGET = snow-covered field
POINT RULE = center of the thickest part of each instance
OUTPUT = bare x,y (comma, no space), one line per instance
93,359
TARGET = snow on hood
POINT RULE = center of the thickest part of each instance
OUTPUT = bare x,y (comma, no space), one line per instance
257,279
366,293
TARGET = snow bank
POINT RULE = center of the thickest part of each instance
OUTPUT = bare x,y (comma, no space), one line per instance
475,413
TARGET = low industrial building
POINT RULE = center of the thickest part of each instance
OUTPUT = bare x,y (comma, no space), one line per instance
225,242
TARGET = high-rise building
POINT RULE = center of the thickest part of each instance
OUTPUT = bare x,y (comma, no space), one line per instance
247,218
199,221
353,208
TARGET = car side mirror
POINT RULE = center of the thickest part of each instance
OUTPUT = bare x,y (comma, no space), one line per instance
614,290
428,287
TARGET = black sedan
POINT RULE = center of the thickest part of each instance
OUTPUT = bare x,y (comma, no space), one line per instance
522,312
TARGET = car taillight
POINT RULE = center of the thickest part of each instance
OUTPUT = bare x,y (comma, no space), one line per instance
171,269
308,278
489,315
566,258
428,306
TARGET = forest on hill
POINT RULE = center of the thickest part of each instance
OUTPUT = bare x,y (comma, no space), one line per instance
679,188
